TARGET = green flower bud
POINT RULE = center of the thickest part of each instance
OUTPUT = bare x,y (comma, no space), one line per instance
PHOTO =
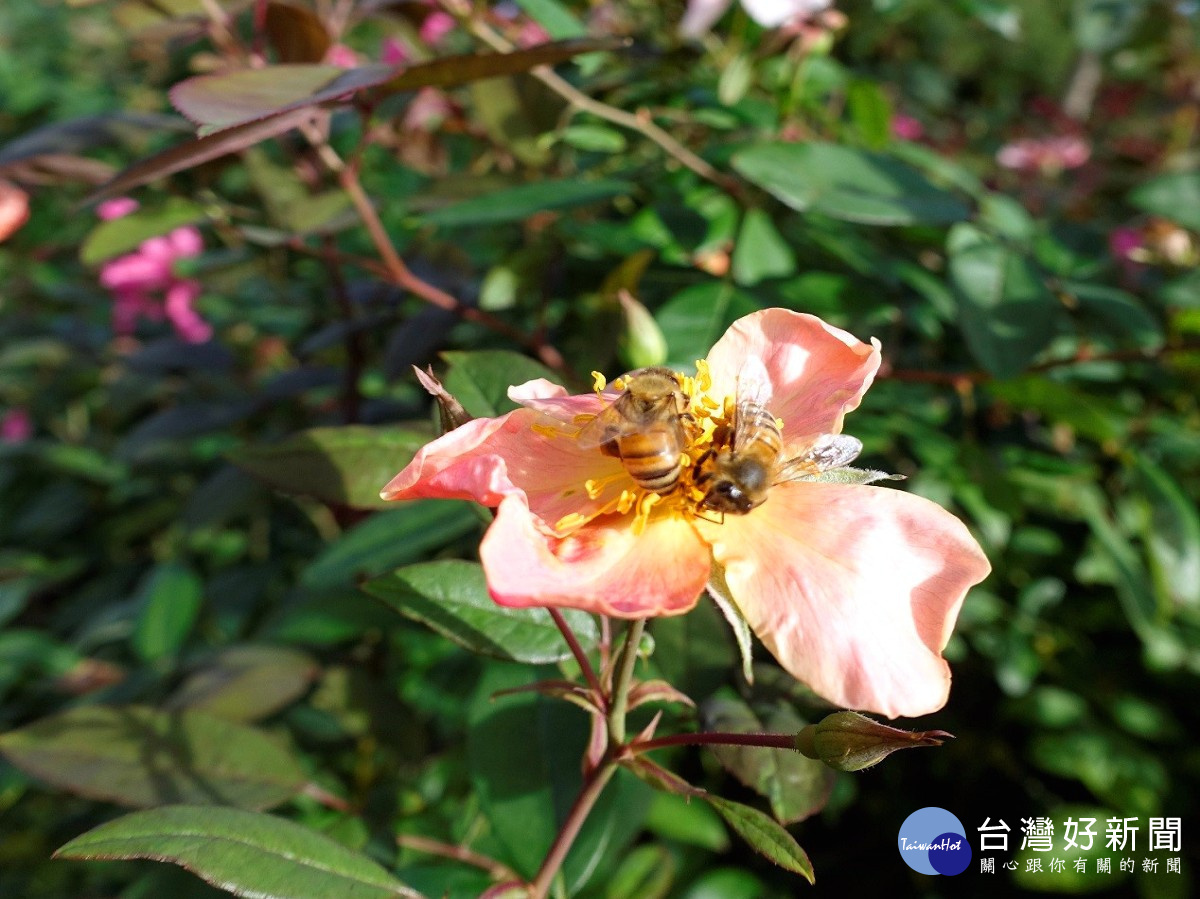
848,741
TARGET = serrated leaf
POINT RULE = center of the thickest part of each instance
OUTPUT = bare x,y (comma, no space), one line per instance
171,596
344,465
247,683
723,599
764,835
796,787
451,597
515,204
121,235
848,184
480,379
245,853
388,539
133,755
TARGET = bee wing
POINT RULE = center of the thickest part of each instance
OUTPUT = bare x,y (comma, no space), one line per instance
753,389
828,452
610,424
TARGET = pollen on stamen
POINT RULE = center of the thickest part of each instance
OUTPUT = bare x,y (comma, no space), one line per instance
645,505
570,521
593,487
599,382
703,376
625,501
545,430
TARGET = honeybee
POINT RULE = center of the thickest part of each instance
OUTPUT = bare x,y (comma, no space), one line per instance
739,471
644,428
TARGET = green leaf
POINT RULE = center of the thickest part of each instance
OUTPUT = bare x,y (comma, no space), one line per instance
647,872
524,753
761,252
1182,292
245,853
796,787
871,112
132,755
1103,25
559,22
764,835
388,539
171,596
677,818
847,184
121,235
1175,196
346,465
1005,310
1172,537
247,683
480,379
451,597
593,138
1117,312
517,203
695,317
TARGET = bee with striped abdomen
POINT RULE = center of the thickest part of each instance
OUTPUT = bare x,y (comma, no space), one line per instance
644,428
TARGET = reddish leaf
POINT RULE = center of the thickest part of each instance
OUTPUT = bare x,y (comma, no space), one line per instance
193,153
296,33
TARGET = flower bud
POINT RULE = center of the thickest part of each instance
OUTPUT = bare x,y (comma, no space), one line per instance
848,741
641,342
451,413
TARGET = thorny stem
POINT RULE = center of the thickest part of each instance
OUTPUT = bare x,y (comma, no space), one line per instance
639,121
770,741
581,658
398,273
624,676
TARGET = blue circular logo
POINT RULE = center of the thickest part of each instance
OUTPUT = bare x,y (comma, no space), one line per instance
933,841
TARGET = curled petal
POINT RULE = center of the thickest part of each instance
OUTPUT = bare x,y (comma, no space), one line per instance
818,372
853,589
773,13
603,568
553,399
488,459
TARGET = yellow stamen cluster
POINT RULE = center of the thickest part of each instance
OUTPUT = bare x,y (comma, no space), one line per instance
705,418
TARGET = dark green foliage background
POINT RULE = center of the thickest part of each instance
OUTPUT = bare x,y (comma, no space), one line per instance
1037,386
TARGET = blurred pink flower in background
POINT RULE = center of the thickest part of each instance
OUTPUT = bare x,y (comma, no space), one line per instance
905,127
701,15
436,26
15,425
1045,155
14,209
145,285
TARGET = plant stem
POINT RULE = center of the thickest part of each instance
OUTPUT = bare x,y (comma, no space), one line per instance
770,741
592,788
581,658
400,275
639,121
624,676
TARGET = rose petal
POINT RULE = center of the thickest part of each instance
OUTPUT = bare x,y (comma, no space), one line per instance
488,459
818,372
603,568
854,589
553,399
773,13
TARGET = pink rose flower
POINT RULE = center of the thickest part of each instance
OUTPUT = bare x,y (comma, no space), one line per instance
15,426
144,284
1046,155
853,588
14,209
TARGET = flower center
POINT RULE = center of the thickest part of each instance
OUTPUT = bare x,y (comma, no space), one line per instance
662,426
